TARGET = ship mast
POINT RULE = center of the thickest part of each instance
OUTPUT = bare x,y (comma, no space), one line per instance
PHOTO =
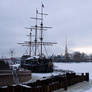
42,28
41,38
36,18
37,27
36,34
30,41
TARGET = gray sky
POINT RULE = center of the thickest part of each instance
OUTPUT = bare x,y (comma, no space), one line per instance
70,19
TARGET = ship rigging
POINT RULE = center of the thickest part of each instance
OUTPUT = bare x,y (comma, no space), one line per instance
36,43
37,61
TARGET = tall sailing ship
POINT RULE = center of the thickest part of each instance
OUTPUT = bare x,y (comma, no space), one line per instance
36,61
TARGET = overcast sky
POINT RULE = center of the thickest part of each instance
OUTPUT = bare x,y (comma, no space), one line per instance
70,19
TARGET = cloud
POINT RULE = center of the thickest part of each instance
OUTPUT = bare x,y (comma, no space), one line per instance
86,49
67,17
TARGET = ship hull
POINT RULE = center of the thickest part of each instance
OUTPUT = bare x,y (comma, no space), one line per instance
39,68
38,65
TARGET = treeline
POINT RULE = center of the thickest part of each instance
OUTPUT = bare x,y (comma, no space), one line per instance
74,57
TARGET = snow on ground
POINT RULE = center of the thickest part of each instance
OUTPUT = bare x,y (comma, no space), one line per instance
80,87
89,90
40,76
76,67
14,66
79,68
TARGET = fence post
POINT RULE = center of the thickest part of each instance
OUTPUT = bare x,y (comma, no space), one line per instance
47,89
87,76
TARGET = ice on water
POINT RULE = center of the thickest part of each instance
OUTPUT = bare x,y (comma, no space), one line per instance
77,67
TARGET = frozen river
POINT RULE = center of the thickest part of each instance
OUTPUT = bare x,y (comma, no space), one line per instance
77,67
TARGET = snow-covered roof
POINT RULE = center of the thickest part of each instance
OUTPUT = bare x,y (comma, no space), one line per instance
32,57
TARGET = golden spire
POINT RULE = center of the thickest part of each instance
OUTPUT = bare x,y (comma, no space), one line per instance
66,50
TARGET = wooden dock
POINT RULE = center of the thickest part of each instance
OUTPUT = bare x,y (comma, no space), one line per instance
50,84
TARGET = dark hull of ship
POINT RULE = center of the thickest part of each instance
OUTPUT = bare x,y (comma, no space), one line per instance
38,65
39,68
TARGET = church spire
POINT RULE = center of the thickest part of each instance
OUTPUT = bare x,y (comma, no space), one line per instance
66,51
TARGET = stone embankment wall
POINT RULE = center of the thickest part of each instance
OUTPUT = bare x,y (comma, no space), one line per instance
7,79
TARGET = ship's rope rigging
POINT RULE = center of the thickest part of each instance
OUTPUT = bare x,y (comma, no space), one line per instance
37,43
46,50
